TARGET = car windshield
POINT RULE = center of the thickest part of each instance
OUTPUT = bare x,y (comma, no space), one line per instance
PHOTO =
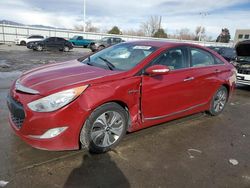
104,39
122,57
74,37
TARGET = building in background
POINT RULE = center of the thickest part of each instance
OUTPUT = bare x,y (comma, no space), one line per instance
241,34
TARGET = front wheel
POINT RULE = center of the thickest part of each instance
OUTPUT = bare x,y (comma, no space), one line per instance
39,48
219,101
104,128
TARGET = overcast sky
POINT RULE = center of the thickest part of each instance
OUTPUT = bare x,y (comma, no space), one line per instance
129,14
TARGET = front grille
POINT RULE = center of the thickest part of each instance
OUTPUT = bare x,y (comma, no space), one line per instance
243,71
17,121
16,111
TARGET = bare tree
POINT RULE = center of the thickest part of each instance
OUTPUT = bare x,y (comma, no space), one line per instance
151,25
200,33
89,27
133,32
185,34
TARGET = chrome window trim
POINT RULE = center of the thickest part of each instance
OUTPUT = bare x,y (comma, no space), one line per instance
174,113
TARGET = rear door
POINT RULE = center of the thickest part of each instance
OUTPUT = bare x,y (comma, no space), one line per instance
50,42
165,95
60,43
206,69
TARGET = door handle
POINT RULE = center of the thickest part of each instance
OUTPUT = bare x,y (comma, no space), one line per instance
188,79
217,71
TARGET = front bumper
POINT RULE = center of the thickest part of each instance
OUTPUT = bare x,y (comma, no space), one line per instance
36,124
243,79
30,46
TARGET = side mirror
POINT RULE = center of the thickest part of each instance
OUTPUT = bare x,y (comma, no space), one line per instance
157,70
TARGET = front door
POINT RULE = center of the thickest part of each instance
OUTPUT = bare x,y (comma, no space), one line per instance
166,95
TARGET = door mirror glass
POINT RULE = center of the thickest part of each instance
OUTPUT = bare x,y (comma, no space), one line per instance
157,70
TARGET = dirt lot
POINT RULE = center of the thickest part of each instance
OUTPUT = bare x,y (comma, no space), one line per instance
191,152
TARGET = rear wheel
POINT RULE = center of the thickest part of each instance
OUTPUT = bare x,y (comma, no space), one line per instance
65,48
100,48
104,128
219,101
23,43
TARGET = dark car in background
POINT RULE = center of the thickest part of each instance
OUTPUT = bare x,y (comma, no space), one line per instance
104,42
51,43
228,53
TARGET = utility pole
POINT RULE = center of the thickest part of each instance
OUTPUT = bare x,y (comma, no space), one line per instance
203,15
84,15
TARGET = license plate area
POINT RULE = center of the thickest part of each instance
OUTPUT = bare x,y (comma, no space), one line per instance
240,77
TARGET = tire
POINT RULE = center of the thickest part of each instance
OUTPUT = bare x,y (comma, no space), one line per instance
66,49
39,48
23,43
101,47
218,101
92,47
104,128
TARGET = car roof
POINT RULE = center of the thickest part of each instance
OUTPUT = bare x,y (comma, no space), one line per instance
164,44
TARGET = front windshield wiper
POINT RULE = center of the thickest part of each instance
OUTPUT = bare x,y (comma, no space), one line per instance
88,62
108,63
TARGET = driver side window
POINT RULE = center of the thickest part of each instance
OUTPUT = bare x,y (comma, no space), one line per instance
173,58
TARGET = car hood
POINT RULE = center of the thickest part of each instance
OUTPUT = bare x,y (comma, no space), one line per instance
58,76
243,48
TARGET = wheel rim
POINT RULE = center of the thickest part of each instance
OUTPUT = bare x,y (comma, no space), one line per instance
66,49
220,100
107,129
39,48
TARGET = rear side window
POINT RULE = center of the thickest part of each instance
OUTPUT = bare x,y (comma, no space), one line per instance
201,58
60,39
218,61
51,39
35,37
117,40
173,58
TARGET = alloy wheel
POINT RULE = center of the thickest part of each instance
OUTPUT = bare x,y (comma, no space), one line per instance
107,128
220,101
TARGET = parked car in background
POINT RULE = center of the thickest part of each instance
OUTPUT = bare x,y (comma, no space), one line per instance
23,41
104,42
242,62
95,100
51,43
80,41
228,53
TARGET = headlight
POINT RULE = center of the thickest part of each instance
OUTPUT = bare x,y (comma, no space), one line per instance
57,100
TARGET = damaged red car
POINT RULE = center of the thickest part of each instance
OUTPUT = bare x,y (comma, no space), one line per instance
93,101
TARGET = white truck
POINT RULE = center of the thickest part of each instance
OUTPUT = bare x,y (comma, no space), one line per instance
24,40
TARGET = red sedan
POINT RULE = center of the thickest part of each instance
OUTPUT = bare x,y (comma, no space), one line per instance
93,101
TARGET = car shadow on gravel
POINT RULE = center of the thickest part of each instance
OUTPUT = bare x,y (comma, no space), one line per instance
97,171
